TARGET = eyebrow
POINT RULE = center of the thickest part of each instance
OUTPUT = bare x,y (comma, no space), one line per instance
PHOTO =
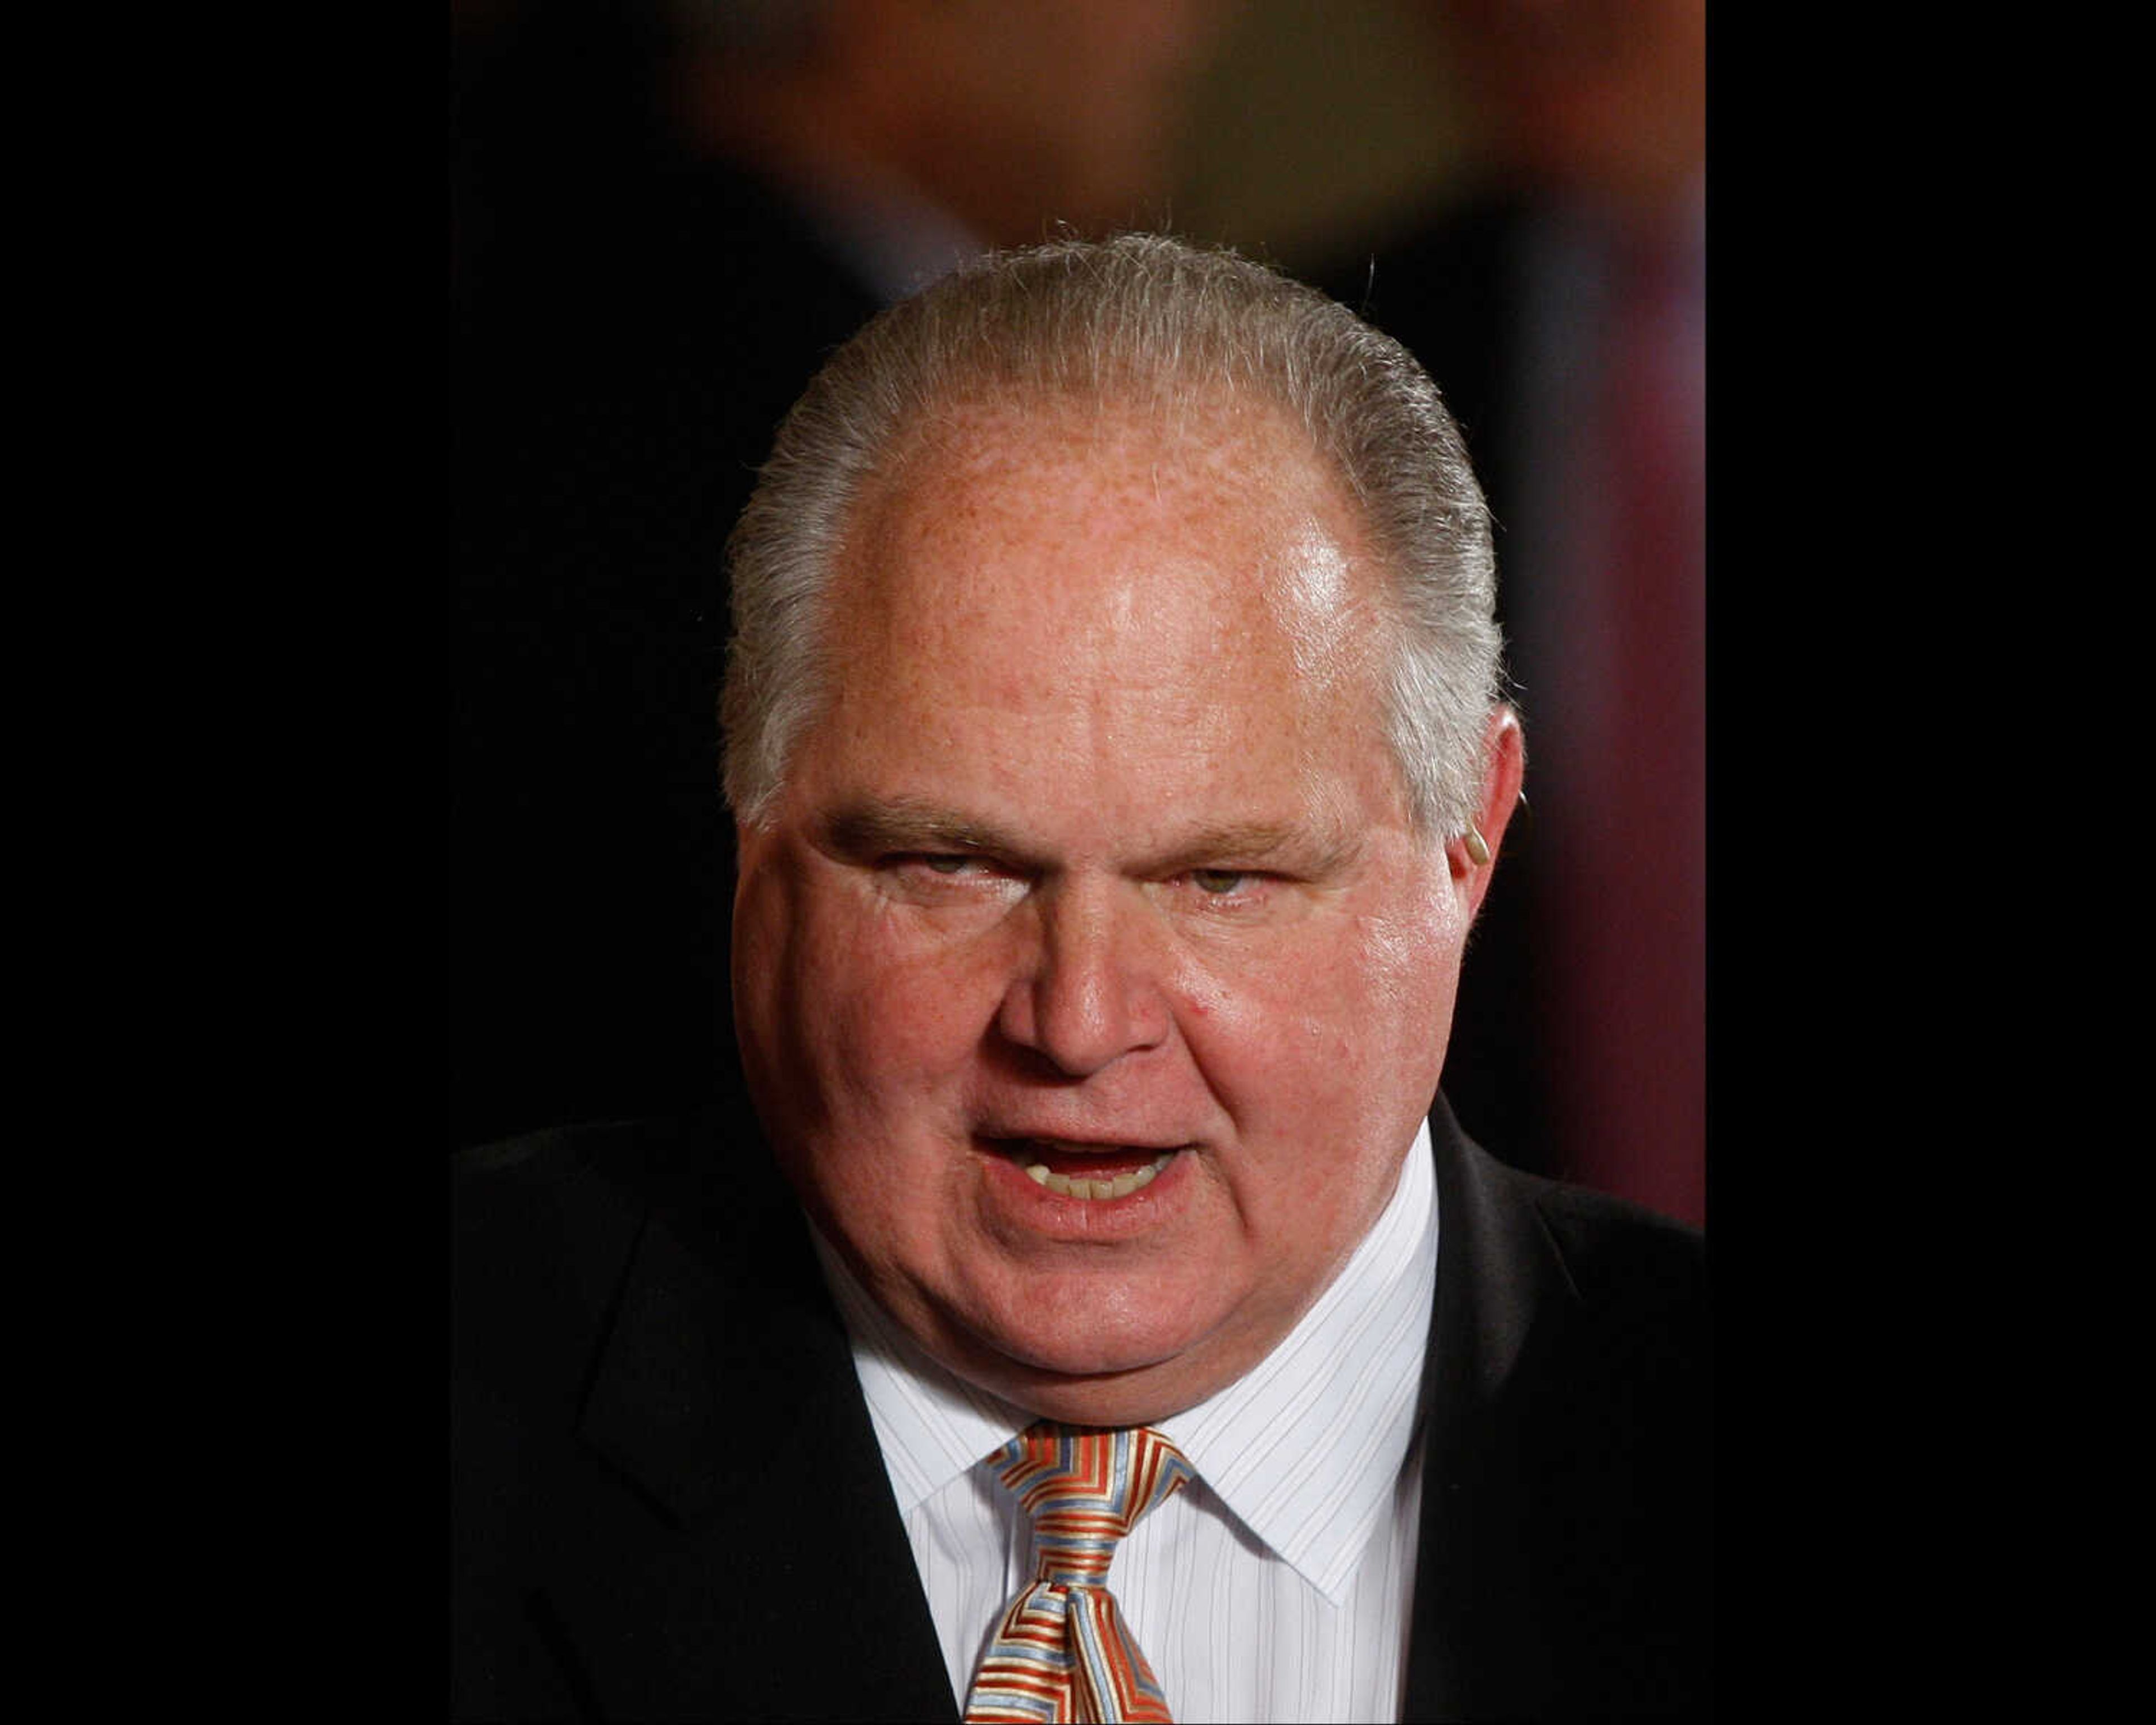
875,826
869,827
1309,850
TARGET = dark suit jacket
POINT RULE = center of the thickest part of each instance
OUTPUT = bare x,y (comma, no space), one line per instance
670,1503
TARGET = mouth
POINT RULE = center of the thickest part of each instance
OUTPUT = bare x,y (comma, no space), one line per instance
1092,1171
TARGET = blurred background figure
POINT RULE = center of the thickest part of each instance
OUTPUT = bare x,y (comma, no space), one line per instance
1558,299
663,214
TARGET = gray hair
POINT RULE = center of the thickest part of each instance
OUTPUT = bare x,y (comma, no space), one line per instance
1151,318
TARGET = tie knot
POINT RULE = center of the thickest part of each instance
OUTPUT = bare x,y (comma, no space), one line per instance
1085,1489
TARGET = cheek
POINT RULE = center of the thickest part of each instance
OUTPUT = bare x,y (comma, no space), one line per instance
1279,1047
1411,964
894,1019
1337,1034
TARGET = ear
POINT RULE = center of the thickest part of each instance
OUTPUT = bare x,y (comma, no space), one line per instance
1504,756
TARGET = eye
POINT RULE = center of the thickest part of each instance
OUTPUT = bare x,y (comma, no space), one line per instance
1218,882
928,867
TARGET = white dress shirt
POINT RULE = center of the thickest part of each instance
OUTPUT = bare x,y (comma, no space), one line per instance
1275,1585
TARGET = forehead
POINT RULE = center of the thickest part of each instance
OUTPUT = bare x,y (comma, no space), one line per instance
1153,609
1080,519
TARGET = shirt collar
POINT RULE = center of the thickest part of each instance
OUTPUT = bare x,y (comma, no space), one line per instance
1305,1450
932,1424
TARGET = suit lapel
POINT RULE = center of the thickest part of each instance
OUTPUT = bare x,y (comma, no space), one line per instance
1498,1275
726,1397
1564,1557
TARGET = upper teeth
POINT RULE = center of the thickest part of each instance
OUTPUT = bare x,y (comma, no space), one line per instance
1121,1186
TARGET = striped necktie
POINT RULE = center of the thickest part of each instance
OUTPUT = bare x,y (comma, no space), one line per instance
1062,1651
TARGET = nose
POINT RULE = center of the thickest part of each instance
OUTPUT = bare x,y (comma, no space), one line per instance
1089,992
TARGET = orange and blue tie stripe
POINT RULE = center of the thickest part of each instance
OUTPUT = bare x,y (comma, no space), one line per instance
1061,1652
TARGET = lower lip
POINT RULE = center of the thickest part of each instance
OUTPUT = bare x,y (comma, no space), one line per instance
1017,1194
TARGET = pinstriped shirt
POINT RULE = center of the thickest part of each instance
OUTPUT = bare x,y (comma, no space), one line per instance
1273,1587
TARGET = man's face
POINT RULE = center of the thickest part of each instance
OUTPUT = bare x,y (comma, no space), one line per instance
1097,864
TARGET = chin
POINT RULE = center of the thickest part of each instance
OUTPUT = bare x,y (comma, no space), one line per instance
1093,1357
1086,1347
1137,1395
1094,1373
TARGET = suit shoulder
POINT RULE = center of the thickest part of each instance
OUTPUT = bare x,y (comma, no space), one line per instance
1611,1247
548,1227
491,1179
578,1185
1637,1337
545,1228
1625,1290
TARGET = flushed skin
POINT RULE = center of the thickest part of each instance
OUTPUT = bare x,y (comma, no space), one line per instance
1098,855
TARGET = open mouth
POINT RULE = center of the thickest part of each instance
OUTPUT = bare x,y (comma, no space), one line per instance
1092,1171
